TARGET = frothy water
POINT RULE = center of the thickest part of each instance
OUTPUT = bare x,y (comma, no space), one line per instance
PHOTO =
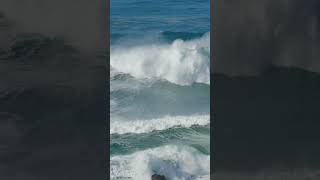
144,126
181,62
160,89
175,162
155,91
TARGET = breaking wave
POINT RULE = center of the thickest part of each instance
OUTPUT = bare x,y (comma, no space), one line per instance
181,62
145,126
174,162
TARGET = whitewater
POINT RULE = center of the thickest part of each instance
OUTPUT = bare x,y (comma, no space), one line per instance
157,91
181,62
160,89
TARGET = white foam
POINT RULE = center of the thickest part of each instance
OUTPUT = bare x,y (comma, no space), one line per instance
174,162
118,126
182,62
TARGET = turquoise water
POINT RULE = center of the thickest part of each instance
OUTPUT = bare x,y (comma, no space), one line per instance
160,89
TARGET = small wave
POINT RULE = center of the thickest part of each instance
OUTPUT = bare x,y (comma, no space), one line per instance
171,35
181,62
145,126
174,162
197,137
161,36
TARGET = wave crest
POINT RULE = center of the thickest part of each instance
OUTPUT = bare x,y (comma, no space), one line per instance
181,62
145,126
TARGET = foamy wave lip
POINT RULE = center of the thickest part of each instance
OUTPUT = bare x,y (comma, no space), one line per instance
174,162
145,126
182,62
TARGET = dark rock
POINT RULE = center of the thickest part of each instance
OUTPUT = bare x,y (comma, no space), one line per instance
157,177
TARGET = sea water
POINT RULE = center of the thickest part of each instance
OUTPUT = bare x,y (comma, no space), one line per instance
160,89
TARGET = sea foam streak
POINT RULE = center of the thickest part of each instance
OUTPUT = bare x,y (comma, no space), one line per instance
145,126
181,62
174,162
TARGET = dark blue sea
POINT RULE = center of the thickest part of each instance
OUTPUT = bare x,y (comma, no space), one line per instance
160,89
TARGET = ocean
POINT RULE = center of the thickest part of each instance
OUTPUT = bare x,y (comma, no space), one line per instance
160,89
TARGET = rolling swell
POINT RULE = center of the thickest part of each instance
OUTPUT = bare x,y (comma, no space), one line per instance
195,136
152,98
164,36
164,117
172,35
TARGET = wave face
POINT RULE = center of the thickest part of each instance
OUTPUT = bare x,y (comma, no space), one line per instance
181,62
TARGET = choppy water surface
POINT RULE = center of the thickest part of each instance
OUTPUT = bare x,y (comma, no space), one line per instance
160,89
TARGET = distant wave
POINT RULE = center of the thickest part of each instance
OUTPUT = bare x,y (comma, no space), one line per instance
166,36
145,126
181,62
174,162
171,35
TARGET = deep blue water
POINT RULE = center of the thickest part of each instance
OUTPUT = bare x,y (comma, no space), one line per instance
139,17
